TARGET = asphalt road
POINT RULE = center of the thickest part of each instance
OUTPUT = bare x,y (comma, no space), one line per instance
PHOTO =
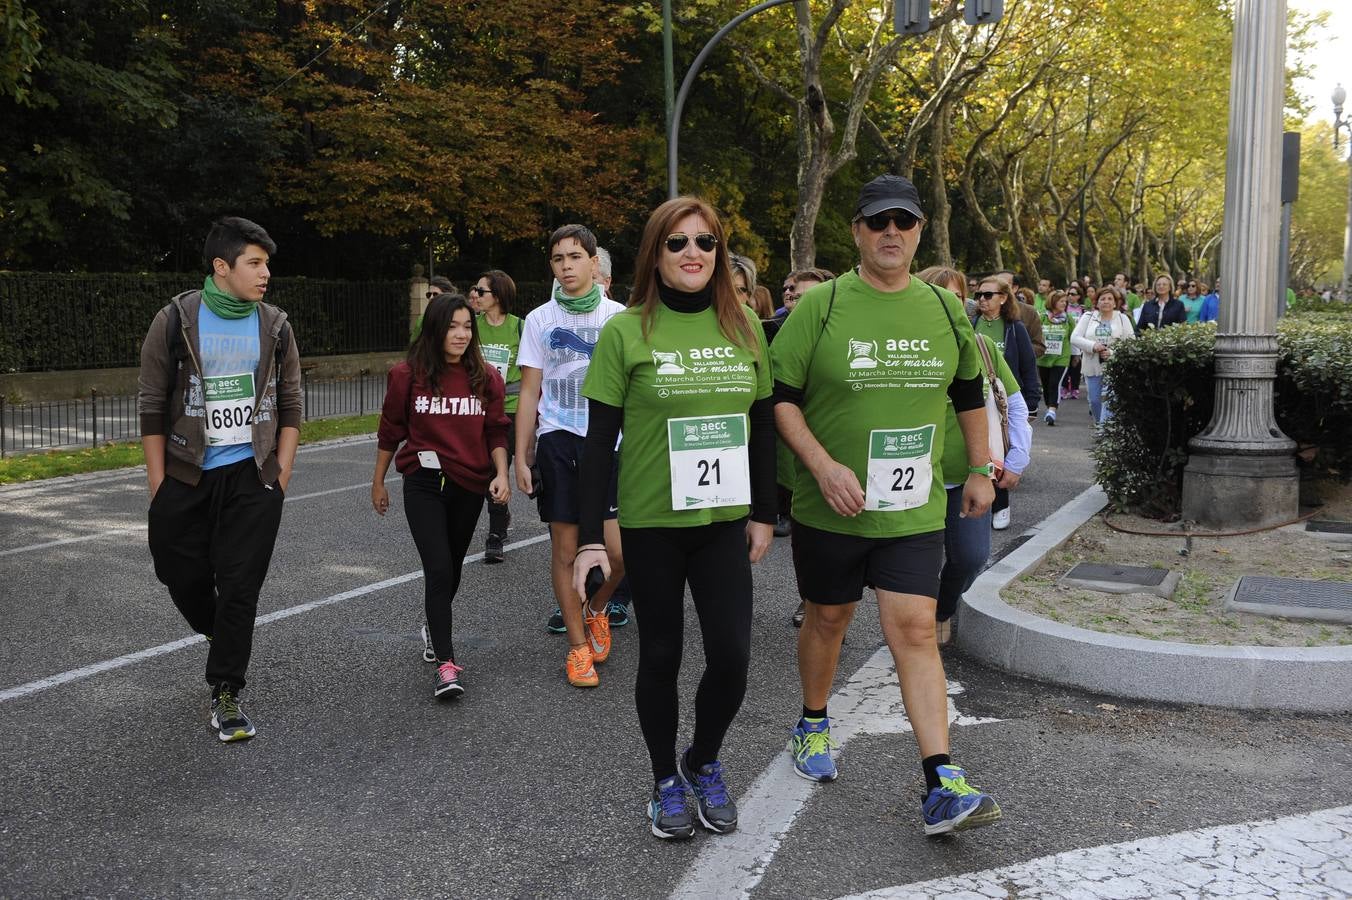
359,784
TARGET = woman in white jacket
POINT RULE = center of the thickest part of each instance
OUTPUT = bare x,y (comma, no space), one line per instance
1094,335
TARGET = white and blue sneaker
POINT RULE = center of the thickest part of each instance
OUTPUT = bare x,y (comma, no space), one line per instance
955,805
811,750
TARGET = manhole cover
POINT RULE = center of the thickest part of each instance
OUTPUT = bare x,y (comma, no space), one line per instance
1293,598
1136,575
1110,579
1329,526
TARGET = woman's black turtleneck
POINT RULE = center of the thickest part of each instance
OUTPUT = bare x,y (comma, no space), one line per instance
685,301
605,422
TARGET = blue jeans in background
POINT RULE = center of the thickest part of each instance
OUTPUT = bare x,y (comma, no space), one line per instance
967,546
1099,397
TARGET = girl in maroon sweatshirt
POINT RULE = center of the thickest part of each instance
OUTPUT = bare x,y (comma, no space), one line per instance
444,405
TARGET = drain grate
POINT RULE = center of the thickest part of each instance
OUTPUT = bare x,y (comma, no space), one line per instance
1137,575
1293,598
1329,526
1113,579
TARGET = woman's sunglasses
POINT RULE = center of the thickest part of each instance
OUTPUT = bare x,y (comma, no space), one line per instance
704,241
987,295
878,221
480,291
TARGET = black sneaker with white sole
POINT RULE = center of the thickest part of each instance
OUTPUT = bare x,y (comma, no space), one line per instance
669,810
493,549
713,804
227,716
429,655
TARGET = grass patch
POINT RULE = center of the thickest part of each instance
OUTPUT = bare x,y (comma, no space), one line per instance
36,466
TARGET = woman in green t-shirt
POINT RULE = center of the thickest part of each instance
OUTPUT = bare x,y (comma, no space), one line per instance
499,341
687,371
1057,326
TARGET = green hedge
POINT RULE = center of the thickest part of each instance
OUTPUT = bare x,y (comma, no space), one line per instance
1163,393
54,321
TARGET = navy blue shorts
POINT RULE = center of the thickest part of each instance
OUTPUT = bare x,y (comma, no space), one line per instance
834,569
558,455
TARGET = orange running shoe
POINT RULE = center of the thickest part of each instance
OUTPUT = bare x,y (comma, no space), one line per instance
581,671
598,633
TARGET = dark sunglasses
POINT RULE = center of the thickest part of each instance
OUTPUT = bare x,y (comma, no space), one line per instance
741,289
431,294
878,221
986,295
479,291
704,241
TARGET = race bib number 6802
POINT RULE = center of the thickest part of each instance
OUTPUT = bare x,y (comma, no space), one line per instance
229,402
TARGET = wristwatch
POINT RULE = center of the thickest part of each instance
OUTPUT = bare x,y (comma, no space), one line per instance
988,470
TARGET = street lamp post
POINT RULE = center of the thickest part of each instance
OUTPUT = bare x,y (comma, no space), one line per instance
1241,471
1339,123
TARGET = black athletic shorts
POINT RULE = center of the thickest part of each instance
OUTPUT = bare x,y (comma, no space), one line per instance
558,455
833,568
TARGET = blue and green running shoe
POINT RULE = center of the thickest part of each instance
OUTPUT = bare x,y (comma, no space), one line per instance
811,750
956,806
669,810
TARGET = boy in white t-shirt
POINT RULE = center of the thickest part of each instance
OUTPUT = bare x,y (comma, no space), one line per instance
556,348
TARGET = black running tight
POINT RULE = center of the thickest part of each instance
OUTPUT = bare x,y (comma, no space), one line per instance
660,562
1051,384
441,516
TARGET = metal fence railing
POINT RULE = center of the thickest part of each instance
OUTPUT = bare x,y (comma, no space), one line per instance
72,424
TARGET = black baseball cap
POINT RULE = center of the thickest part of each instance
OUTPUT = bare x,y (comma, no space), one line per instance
888,192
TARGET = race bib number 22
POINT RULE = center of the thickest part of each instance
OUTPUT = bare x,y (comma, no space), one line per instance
900,471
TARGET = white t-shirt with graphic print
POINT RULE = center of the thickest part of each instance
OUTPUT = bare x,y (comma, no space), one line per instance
560,345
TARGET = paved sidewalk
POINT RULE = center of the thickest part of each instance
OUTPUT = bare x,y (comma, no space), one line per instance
1295,856
1304,679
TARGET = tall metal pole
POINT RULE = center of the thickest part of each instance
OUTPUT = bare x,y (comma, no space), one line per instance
674,126
668,62
1242,471
1347,230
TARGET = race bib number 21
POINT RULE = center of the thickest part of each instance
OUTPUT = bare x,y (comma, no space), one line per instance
709,461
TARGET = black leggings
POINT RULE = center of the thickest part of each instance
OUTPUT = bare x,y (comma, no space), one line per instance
441,516
1051,384
713,560
499,515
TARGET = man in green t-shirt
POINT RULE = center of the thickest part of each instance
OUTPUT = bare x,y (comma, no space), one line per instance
863,372
1044,290
1134,300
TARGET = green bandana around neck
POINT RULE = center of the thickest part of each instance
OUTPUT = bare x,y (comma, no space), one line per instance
222,304
576,305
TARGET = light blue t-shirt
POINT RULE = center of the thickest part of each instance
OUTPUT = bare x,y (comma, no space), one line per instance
230,364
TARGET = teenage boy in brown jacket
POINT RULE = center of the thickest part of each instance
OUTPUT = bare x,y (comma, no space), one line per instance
220,406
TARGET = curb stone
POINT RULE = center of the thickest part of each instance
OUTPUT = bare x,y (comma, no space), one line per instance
1305,679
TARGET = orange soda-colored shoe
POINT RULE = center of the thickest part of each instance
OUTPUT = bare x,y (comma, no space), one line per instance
581,671
598,633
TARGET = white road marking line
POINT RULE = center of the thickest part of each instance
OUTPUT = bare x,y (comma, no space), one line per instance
1303,855
107,665
141,526
869,703
64,481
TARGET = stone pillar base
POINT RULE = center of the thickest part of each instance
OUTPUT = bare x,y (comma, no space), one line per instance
1234,492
